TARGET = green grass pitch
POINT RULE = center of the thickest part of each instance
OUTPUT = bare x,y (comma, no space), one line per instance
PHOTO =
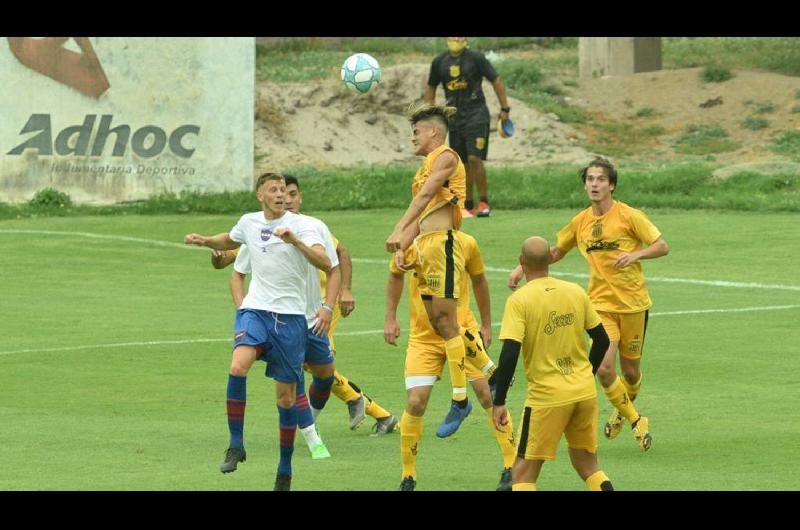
116,344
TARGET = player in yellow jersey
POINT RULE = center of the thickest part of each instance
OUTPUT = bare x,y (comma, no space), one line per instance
425,356
546,319
430,221
359,404
610,235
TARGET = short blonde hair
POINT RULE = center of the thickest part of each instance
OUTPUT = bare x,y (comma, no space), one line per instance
439,114
267,176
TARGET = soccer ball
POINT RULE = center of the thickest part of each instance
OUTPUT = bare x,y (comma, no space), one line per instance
361,72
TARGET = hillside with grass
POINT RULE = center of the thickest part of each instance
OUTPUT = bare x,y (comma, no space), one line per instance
724,101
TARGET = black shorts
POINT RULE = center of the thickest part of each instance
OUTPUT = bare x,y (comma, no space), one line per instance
470,140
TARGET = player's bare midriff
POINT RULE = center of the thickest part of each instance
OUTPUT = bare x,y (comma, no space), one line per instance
439,219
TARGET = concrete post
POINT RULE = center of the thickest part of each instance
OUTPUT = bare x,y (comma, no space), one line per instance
599,56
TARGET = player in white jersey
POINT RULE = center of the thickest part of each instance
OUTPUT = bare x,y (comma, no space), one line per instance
318,354
271,322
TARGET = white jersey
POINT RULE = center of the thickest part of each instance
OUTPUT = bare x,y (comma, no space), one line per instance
279,270
313,286
314,299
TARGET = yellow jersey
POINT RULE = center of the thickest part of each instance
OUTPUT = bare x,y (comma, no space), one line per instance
549,317
601,239
453,191
419,324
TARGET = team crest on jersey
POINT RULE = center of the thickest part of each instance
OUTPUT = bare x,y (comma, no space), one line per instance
480,143
455,70
433,282
597,230
266,233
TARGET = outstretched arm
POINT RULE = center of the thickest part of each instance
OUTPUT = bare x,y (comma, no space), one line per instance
219,242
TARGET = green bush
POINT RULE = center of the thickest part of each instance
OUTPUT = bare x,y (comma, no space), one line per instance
715,74
645,112
787,144
50,198
704,139
754,124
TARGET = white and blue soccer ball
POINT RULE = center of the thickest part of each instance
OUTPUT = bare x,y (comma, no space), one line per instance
361,72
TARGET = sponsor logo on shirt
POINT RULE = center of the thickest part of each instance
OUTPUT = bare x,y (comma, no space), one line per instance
602,245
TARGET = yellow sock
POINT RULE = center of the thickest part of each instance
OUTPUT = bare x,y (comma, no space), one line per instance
455,350
504,439
410,435
619,398
524,486
598,481
375,410
472,343
632,389
341,388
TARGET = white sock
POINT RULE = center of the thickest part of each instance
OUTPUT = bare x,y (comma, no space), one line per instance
311,436
487,367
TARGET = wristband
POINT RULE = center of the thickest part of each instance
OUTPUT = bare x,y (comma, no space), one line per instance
329,308
505,109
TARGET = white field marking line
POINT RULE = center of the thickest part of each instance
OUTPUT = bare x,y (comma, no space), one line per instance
364,332
91,235
655,279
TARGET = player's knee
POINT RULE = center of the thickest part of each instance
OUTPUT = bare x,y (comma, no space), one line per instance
416,405
631,374
286,401
239,368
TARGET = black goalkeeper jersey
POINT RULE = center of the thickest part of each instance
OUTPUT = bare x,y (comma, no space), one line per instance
461,78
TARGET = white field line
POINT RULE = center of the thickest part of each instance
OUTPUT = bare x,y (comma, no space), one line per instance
714,283
654,279
355,333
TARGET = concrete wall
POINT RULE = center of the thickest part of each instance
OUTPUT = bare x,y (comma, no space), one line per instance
599,56
172,114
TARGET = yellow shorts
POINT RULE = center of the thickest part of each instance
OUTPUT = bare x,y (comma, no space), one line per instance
628,329
425,359
440,264
541,428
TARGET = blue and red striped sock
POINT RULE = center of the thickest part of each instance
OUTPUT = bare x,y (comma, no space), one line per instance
287,422
304,416
320,391
237,400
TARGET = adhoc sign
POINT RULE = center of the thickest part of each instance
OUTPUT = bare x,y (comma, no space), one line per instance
110,119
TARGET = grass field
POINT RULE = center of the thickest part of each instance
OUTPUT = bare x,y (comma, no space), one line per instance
115,348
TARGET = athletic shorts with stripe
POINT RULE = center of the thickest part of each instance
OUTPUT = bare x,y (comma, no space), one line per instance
541,428
440,264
